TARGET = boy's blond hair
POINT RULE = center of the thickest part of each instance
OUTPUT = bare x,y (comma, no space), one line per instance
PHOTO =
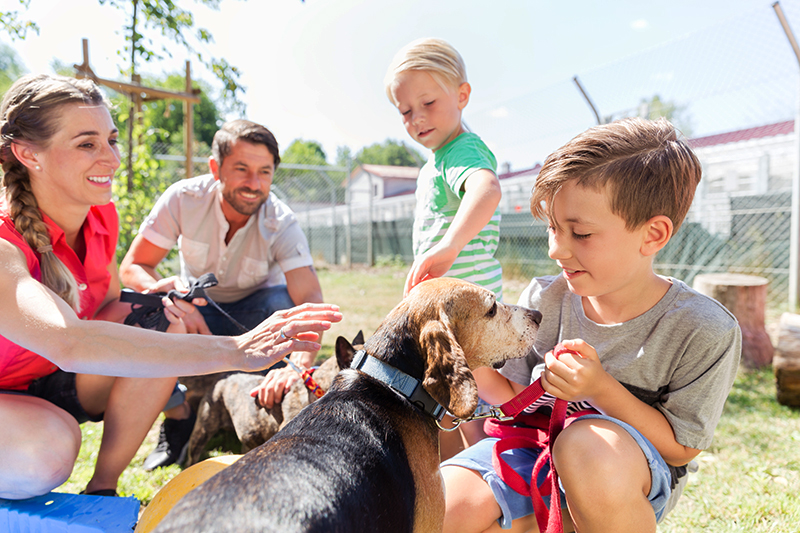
642,164
434,56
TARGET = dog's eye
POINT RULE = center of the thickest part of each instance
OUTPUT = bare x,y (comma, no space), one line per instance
492,311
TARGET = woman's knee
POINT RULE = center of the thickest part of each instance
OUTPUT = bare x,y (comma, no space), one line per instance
43,455
50,468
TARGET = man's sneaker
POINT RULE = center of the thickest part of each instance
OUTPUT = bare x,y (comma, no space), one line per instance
173,440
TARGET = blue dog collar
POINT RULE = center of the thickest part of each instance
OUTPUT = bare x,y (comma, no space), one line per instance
398,380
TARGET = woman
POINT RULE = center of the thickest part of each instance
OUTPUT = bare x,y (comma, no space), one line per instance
60,345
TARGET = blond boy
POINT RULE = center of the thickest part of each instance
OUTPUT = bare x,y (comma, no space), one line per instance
456,222
656,358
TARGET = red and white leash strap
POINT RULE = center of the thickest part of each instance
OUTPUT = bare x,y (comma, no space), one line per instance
549,521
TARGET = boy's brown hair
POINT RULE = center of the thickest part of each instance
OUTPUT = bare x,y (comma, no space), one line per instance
642,164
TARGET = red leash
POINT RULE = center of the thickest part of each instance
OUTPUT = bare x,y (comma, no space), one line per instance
541,436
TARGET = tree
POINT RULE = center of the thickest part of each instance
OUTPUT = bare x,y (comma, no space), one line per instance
174,23
166,116
304,153
149,18
14,25
390,152
11,67
62,68
344,156
161,121
677,114
312,182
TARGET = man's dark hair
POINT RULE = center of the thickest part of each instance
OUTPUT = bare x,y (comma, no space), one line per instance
243,130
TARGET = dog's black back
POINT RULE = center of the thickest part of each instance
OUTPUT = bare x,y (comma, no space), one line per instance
284,476
363,458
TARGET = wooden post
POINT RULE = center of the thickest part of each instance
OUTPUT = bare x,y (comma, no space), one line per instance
745,297
787,361
188,125
139,93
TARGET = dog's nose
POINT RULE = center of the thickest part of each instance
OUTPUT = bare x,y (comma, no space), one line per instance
536,316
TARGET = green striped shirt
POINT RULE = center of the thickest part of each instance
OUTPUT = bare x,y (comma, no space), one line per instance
438,198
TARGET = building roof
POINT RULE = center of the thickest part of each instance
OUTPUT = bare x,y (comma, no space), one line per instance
769,130
388,171
533,170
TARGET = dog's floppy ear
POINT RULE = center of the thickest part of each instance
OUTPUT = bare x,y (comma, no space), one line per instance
448,379
344,353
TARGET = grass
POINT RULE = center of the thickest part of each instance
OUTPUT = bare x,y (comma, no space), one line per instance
747,482
749,478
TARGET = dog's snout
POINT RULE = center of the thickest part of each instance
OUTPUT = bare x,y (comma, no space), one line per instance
536,316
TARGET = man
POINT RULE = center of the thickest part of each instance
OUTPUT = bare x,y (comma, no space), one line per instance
228,223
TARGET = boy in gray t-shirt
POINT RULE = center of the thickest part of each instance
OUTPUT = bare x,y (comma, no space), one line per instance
655,358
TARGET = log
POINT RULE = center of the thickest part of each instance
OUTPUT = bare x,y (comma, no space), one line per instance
745,297
787,361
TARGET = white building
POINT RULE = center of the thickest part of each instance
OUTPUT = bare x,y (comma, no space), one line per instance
393,191
743,163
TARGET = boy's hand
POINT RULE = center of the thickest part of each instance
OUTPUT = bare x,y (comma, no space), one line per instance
432,264
576,375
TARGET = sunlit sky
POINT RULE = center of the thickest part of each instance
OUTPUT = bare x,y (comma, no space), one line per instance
314,70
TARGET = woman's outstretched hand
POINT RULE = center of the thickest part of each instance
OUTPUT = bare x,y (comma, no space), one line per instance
290,330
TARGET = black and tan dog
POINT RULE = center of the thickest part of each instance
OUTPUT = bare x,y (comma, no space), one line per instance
364,458
227,405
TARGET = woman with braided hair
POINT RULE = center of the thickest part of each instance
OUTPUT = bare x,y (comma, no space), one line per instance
64,357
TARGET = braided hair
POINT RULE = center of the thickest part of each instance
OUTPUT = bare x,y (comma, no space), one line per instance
30,113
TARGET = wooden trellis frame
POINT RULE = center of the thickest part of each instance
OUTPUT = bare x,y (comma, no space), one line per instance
138,94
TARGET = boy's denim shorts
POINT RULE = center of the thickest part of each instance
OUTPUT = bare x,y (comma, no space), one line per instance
514,505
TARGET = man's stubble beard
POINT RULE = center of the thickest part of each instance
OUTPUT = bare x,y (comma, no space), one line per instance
242,208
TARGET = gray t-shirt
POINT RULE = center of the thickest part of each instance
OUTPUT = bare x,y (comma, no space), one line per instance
680,357
189,214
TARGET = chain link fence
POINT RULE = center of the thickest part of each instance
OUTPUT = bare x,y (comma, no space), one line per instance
732,89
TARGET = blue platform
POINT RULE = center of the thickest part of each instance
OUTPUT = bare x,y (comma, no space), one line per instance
69,513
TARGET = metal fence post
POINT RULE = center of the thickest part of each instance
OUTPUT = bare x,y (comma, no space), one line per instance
370,258
349,228
794,233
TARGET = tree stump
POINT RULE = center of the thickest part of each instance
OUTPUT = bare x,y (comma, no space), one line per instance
745,297
787,361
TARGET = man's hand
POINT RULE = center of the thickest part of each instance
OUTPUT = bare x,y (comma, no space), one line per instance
192,320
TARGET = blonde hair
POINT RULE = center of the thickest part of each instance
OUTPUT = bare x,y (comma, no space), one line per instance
643,166
434,56
30,113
